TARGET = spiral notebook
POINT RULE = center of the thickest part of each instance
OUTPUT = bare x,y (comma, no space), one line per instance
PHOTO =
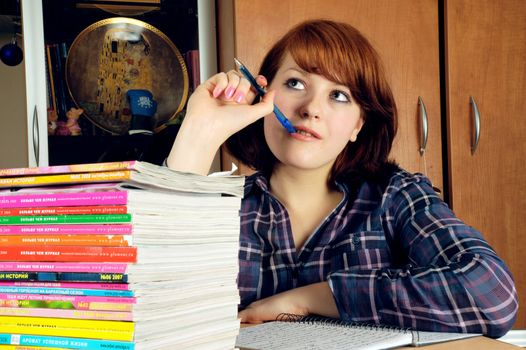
313,332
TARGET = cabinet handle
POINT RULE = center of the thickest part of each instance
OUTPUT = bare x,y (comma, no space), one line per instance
36,136
423,125
476,124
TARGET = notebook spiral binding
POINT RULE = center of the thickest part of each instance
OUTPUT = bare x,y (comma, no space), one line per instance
320,320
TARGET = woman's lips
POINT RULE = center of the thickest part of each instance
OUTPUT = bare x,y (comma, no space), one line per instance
304,133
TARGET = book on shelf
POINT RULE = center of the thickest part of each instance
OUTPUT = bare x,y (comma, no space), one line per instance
192,62
155,249
316,332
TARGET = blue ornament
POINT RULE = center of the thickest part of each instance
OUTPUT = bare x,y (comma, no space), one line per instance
11,54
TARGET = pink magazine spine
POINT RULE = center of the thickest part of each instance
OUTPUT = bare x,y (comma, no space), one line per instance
112,286
64,267
67,229
66,169
63,199
73,299
64,313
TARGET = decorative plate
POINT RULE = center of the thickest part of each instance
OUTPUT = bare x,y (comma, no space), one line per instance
115,55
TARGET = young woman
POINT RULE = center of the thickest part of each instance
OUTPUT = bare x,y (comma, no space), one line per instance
328,225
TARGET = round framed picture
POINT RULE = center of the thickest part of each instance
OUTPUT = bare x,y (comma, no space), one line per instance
115,55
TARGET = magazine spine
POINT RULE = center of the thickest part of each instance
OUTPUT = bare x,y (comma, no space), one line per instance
69,298
74,210
66,313
95,329
30,200
70,305
63,276
66,219
68,253
69,169
67,229
64,267
105,176
68,291
64,342
80,285
80,240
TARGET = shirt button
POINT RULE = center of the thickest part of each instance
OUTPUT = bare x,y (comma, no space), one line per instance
356,240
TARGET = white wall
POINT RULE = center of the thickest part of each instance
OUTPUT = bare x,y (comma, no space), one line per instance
13,119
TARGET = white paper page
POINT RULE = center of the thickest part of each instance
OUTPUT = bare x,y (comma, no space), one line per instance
293,335
426,338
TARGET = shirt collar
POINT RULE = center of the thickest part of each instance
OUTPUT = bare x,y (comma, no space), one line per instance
258,182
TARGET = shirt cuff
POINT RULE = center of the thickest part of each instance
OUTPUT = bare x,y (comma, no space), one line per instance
354,294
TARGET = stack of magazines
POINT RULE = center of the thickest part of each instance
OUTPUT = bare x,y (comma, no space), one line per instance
123,255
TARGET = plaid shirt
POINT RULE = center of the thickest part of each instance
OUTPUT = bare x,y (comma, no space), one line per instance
392,254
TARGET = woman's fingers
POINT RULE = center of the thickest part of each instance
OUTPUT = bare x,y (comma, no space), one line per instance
231,86
262,81
217,84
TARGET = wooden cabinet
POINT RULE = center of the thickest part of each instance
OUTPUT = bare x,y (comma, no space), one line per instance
486,61
482,45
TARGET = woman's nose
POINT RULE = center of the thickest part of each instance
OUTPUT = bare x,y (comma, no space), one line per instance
311,109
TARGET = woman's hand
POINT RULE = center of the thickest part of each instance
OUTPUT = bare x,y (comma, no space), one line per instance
315,298
217,109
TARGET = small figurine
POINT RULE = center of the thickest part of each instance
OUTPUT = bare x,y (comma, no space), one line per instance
72,124
52,118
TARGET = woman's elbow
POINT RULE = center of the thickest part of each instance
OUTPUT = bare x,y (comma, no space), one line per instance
501,318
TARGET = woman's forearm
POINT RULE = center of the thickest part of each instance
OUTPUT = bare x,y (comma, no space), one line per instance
193,150
319,300
314,298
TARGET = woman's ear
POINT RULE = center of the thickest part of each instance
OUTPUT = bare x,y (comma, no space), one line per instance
354,134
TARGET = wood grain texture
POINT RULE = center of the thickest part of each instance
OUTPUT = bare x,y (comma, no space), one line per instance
486,59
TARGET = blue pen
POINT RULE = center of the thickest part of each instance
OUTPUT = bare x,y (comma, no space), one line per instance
281,117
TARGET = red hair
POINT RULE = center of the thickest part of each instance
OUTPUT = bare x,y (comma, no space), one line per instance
340,53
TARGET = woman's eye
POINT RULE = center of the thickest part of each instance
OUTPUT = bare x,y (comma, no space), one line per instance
295,84
340,96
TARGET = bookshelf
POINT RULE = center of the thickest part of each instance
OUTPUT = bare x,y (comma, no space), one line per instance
188,24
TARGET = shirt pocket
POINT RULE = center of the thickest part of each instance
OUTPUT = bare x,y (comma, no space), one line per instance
361,250
250,257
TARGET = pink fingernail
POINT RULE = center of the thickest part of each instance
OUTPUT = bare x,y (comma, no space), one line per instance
229,92
239,98
216,92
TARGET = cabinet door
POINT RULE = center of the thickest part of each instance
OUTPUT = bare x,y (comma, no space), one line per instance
486,51
405,33
35,71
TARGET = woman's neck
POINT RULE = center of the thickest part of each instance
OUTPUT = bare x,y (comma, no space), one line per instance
292,186
307,198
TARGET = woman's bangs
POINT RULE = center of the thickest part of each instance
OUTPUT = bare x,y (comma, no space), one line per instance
315,56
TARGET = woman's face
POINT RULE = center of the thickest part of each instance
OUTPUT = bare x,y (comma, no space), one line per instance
322,111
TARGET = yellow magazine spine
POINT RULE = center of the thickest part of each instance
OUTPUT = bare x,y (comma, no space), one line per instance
77,328
105,176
